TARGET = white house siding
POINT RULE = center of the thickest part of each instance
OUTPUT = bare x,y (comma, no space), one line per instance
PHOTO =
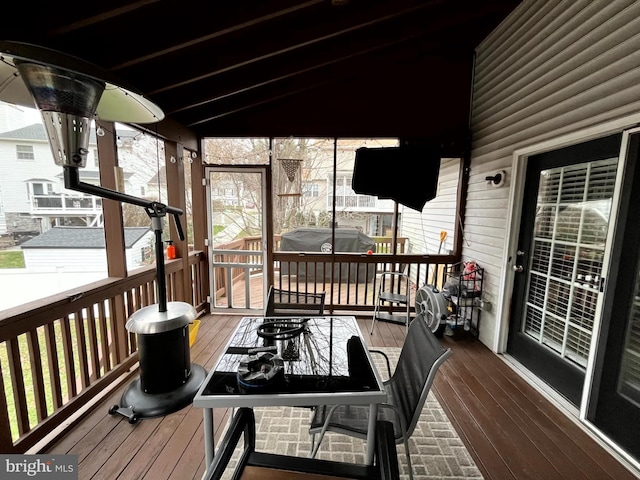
134,254
66,259
550,69
15,172
423,228
81,259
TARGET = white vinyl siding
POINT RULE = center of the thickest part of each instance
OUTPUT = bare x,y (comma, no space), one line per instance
423,228
438,215
551,68
75,260
82,259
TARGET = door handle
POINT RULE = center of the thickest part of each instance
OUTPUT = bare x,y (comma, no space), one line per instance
518,268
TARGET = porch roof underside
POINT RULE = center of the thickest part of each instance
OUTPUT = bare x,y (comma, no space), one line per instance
366,68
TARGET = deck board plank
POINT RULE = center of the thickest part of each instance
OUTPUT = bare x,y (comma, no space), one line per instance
556,428
536,428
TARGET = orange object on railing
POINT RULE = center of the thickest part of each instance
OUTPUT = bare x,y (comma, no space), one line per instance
171,250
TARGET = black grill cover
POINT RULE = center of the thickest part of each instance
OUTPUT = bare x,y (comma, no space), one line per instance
319,240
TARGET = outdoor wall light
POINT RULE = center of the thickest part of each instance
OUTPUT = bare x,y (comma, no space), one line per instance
498,179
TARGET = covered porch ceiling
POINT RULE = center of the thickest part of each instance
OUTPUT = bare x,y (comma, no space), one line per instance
347,68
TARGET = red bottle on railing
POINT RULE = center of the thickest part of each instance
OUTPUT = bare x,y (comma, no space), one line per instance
171,250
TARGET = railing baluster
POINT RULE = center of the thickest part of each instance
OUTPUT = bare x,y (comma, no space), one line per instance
130,306
105,341
6,442
81,343
138,297
53,364
144,295
93,343
17,382
119,338
35,359
67,348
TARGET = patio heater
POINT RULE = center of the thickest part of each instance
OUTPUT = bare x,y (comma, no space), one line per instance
69,93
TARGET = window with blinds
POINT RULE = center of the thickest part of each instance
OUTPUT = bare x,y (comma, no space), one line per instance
629,385
24,152
570,231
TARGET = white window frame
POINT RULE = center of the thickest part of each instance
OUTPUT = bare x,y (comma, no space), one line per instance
25,152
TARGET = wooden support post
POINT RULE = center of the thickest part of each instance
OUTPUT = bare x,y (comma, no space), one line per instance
199,215
113,230
174,161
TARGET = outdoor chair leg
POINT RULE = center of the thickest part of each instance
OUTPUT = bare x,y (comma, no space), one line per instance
409,466
314,449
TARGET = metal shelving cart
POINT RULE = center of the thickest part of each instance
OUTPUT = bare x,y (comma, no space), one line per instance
463,292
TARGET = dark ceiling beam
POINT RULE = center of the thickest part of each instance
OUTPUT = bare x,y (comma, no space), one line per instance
366,70
101,17
231,92
220,33
272,99
296,46
427,41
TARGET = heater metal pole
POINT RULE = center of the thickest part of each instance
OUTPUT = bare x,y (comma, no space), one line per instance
155,210
161,281
72,182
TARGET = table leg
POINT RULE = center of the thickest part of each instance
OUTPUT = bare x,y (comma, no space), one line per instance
208,436
371,433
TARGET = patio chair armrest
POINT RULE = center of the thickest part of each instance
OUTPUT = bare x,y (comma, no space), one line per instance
243,422
386,359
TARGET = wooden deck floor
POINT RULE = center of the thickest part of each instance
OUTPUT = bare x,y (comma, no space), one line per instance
512,431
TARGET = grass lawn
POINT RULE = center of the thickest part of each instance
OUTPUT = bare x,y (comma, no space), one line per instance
11,259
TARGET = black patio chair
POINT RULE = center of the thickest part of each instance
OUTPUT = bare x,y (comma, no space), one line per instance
407,390
286,303
254,464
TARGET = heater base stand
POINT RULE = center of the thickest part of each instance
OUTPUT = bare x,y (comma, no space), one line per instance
136,404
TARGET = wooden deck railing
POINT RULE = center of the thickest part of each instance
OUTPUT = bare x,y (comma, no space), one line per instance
249,263
351,281
58,353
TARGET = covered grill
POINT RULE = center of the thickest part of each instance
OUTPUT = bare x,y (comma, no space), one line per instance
320,240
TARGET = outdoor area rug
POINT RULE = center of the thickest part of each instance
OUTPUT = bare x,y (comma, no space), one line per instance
436,449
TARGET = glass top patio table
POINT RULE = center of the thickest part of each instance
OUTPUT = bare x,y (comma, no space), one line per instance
324,360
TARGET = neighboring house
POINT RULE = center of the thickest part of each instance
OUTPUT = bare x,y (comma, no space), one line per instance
32,194
83,248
